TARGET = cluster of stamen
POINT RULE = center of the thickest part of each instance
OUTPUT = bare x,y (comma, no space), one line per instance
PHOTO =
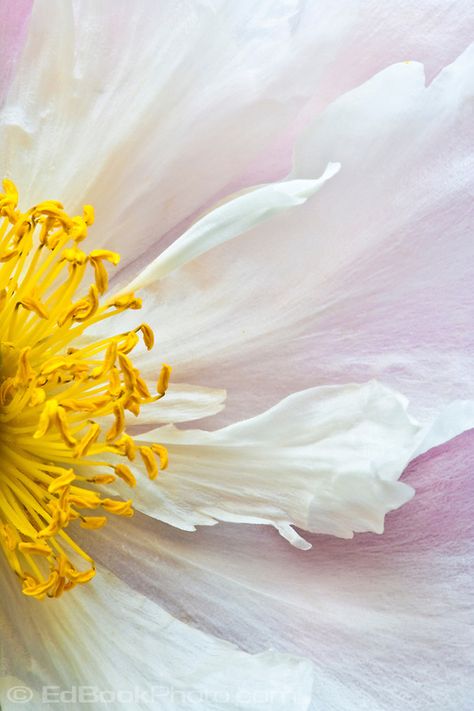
63,397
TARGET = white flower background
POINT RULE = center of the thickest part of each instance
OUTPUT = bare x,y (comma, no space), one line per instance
288,183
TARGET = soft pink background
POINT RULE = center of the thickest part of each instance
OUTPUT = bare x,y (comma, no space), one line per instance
13,22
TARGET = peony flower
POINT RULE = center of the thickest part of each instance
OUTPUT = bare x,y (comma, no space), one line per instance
159,267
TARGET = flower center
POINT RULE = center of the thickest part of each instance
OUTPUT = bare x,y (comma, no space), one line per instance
63,395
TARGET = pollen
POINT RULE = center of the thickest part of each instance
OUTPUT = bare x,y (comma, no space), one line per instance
65,396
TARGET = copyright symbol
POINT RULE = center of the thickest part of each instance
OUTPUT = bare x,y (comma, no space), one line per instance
19,694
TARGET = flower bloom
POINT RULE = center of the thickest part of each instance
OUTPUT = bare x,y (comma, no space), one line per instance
300,304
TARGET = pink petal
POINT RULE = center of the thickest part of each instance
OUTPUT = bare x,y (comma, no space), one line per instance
13,20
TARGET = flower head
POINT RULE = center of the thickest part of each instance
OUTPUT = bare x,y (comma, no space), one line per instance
311,305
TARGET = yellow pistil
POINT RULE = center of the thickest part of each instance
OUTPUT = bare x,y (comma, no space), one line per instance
63,396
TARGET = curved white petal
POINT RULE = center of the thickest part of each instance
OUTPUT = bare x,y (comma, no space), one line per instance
326,460
371,278
117,647
182,403
235,217
386,619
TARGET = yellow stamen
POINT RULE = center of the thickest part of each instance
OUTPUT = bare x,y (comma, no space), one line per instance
51,381
148,336
164,379
162,453
93,522
125,473
149,461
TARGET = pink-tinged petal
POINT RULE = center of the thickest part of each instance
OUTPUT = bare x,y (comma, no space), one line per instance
386,620
371,278
13,21
379,34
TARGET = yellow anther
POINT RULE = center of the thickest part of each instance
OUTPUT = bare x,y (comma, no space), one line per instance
33,588
106,254
164,379
88,212
101,276
52,365
32,304
118,425
47,418
85,499
63,427
83,309
129,343
53,208
93,522
78,230
10,197
126,446
128,371
61,481
25,372
80,307
53,527
97,257
119,508
141,387
115,384
132,404
148,335
149,461
88,440
92,301
125,474
75,256
162,453
80,577
126,301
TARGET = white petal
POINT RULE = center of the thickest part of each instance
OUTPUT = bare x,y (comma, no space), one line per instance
109,641
452,421
182,403
234,218
326,460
